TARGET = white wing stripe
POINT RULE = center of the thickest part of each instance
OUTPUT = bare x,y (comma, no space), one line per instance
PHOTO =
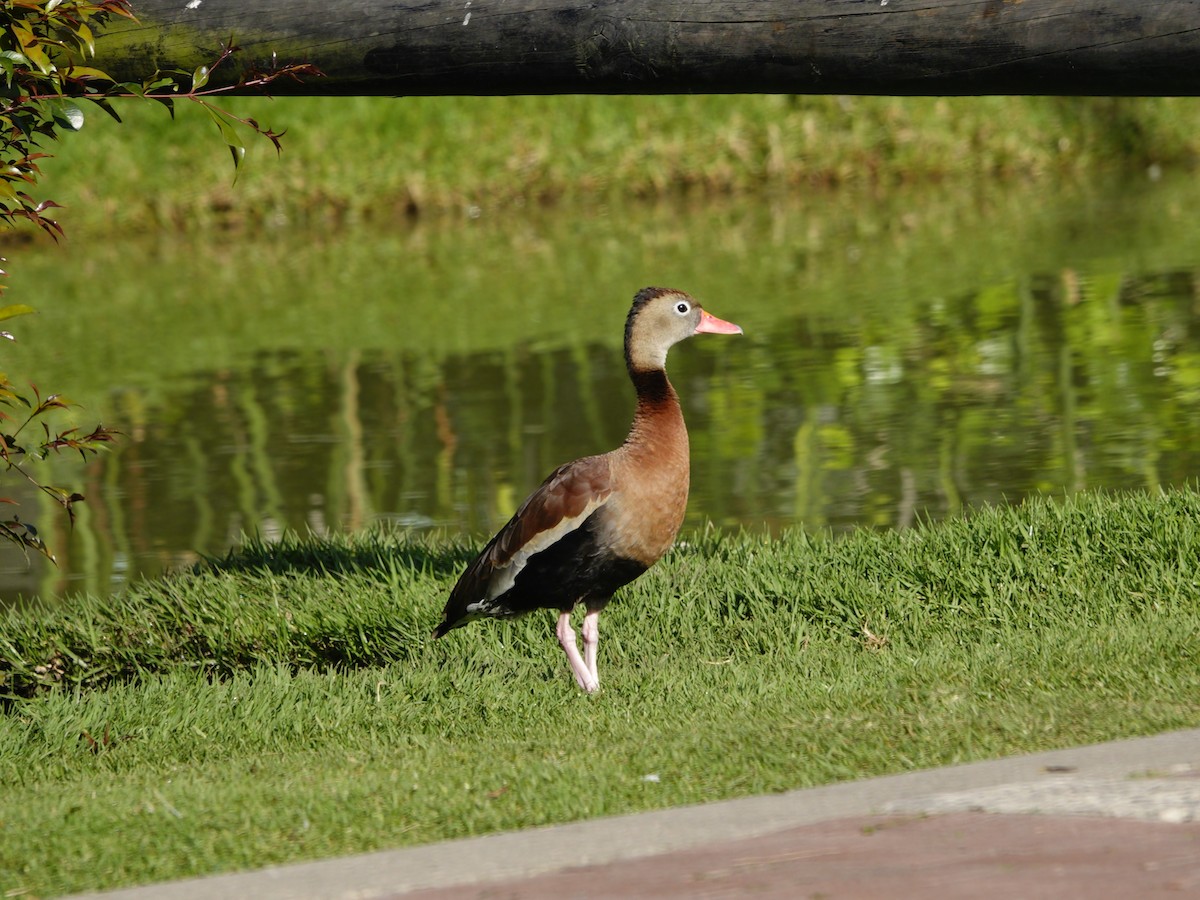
506,577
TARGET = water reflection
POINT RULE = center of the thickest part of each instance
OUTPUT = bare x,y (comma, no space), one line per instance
876,384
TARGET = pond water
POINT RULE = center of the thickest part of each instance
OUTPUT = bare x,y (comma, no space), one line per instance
907,355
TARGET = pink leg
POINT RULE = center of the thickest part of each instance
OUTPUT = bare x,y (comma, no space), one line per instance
591,641
566,637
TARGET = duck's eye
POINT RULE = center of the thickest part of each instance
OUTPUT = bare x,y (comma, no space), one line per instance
682,308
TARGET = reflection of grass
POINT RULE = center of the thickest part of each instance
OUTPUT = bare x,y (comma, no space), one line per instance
448,289
288,705
350,159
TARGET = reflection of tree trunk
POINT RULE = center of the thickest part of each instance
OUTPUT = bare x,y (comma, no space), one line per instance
354,468
546,455
263,501
588,391
445,458
405,392
507,483
948,465
101,530
49,512
1072,289
1075,474
808,506
906,508
136,502
237,466
202,532
1075,470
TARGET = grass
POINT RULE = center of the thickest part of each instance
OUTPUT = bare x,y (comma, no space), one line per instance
349,160
286,703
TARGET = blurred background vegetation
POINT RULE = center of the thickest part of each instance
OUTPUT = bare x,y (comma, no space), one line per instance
374,159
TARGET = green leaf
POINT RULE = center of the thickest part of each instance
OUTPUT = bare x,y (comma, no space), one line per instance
230,136
38,57
31,46
239,153
84,34
154,84
168,102
25,535
23,33
86,72
199,78
66,113
105,105
13,310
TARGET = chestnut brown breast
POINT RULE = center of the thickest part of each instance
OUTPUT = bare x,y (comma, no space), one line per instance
652,472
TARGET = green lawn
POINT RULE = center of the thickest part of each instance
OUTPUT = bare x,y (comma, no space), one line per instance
287,703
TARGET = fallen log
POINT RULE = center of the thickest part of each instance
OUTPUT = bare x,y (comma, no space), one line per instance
492,47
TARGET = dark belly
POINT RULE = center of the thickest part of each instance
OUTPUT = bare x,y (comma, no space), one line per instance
577,568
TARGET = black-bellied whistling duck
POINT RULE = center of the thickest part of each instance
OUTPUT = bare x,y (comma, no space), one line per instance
601,521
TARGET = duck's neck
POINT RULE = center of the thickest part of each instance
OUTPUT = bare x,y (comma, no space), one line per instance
658,428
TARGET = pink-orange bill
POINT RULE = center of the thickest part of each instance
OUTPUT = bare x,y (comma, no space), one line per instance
710,324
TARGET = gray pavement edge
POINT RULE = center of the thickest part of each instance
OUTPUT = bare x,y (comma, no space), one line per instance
1153,778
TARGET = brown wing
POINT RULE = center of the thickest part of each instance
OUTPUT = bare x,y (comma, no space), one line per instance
561,504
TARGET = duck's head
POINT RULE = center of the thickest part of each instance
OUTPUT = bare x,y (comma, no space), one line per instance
661,318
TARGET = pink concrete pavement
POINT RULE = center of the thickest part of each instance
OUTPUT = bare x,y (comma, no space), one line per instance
982,856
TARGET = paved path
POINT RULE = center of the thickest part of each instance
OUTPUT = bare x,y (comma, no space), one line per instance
1117,820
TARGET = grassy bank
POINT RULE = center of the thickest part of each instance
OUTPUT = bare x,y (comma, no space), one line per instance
286,702
349,159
